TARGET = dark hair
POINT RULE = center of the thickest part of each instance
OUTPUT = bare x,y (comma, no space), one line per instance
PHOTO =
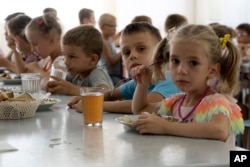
84,13
174,21
85,36
12,15
142,18
222,30
244,27
17,25
142,27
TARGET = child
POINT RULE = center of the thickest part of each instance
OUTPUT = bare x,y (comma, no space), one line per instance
86,16
22,48
44,35
111,59
82,47
8,38
174,21
138,42
243,39
209,111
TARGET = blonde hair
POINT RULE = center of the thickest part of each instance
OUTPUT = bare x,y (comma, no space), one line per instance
205,37
47,25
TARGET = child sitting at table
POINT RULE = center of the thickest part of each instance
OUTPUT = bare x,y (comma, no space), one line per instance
138,41
82,47
21,47
44,35
208,75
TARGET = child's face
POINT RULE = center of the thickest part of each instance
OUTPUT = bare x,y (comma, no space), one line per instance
189,66
109,29
77,61
39,44
137,49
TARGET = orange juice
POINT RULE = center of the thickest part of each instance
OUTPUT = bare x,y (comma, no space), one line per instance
92,105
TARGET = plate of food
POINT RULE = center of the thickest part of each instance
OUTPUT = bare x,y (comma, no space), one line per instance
127,121
9,79
46,103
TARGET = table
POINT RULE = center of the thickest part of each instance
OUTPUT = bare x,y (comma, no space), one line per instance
59,138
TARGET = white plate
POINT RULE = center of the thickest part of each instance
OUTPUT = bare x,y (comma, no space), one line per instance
47,103
12,81
127,120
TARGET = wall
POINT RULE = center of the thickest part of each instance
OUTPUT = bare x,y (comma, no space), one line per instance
230,12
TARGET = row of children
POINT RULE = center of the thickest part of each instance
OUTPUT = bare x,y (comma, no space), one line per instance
188,60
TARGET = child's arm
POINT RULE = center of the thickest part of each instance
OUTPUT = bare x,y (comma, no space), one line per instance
217,128
142,75
4,62
19,63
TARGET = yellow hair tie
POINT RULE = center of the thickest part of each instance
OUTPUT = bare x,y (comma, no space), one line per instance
224,40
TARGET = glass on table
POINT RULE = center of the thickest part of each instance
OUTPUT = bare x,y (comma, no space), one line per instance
31,82
92,105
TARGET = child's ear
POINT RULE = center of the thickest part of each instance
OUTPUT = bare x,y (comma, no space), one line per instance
214,71
94,59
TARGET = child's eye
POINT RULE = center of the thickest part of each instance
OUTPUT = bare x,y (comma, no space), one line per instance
193,63
71,56
175,61
126,53
141,49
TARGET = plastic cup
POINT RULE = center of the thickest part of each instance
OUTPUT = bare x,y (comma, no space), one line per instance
92,105
31,82
57,71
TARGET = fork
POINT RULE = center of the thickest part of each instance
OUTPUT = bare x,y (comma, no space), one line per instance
128,79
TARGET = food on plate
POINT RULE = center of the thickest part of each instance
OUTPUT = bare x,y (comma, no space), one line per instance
126,119
49,100
5,76
171,119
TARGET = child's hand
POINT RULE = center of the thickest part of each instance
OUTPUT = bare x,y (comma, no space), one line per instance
141,74
60,86
150,123
76,103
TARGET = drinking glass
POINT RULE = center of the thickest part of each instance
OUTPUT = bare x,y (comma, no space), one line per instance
31,82
92,105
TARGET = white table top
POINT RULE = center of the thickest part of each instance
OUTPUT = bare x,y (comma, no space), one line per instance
59,138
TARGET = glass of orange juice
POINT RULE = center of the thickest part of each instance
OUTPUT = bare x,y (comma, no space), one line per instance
92,105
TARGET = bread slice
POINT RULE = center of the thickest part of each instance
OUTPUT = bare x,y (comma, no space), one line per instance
6,95
22,97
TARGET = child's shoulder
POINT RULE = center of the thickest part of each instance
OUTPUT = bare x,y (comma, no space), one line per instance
219,98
